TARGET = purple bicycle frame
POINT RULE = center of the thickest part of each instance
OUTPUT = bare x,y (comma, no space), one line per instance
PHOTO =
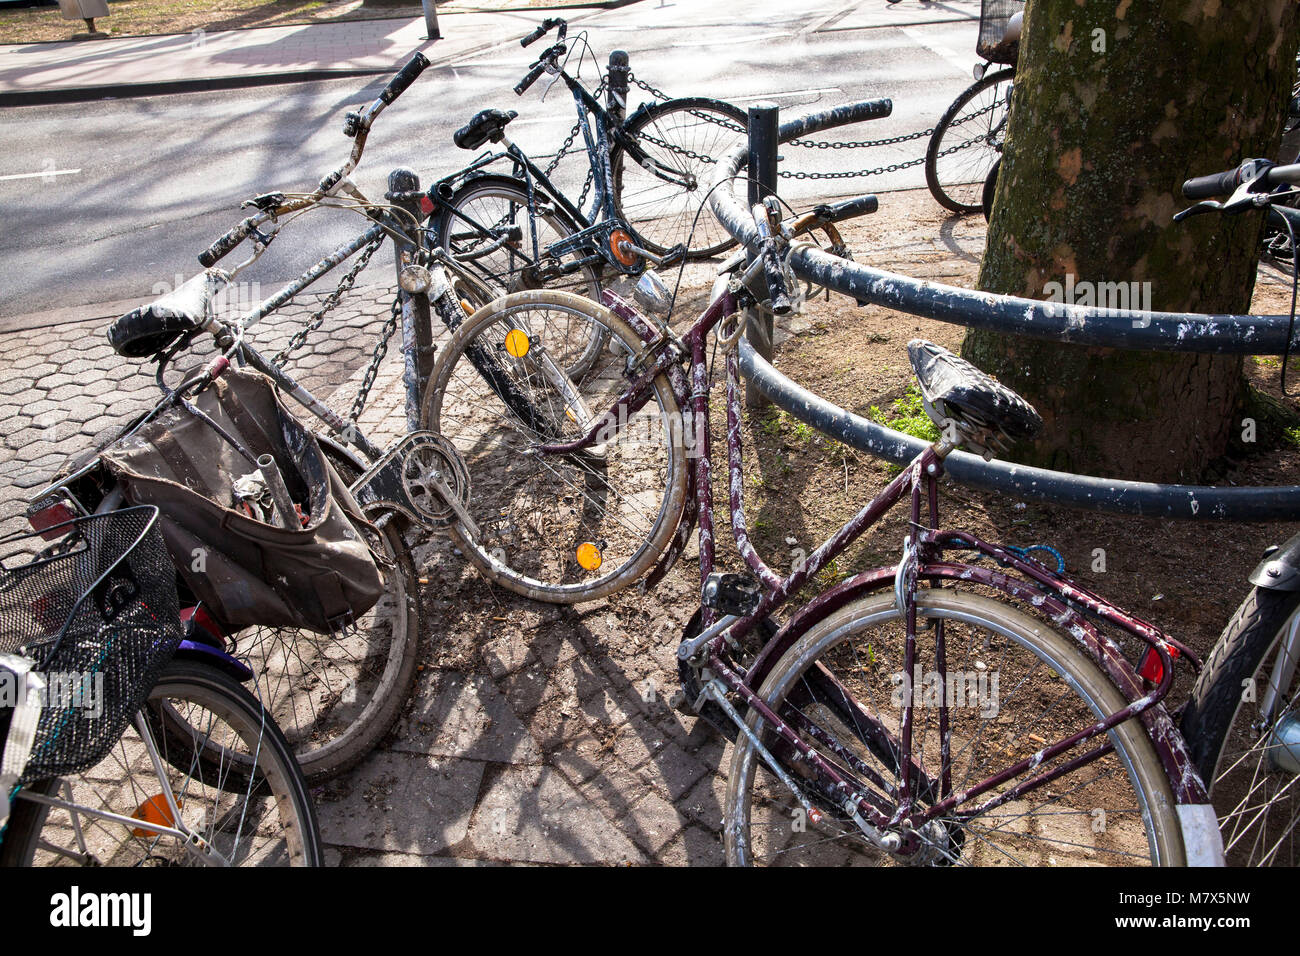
1066,603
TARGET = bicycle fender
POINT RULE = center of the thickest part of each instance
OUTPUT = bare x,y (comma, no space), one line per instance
1280,569
198,651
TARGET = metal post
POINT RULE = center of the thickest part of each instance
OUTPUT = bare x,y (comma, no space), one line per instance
763,133
616,85
431,19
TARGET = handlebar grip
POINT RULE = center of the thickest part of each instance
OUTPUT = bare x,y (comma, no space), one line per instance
531,78
538,33
221,248
1207,187
398,84
849,209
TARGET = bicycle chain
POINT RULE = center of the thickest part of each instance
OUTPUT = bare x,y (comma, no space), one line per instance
815,144
372,370
317,319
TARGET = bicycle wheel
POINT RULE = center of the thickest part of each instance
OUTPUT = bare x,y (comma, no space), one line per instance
335,696
1014,685
485,227
689,136
154,775
967,141
1237,732
558,528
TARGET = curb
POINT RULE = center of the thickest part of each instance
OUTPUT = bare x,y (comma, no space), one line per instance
81,94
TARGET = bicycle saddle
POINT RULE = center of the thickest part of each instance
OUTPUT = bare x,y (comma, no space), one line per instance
985,413
486,125
151,328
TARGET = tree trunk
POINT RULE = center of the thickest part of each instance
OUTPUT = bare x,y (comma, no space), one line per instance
1115,104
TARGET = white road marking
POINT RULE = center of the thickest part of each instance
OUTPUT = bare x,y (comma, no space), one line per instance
963,62
48,172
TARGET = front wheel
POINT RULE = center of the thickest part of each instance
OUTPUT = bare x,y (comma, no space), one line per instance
165,778
1242,726
1011,687
967,141
688,137
552,527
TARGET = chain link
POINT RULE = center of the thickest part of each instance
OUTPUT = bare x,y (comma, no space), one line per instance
317,318
372,370
820,144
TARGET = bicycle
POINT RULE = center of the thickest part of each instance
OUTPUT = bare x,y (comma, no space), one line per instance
966,144
1072,756
1242,721
520,231
130,745
335,690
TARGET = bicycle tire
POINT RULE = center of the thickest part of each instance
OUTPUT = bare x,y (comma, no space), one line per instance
489,201
1257,803
1045,669
962,132
536,513
690,134
268,819
335,696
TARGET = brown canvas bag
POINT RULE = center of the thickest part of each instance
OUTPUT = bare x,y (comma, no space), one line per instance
246,571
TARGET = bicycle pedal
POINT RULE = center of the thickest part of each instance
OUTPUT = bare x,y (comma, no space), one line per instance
674,256
736,594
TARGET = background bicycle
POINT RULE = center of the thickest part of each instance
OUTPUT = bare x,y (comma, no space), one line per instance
647,172
131,745
967,141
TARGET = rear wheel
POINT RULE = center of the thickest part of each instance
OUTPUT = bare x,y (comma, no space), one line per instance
689,136
335,696
486,227
1012,687
179,767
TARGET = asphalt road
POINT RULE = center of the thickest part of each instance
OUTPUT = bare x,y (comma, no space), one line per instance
131,190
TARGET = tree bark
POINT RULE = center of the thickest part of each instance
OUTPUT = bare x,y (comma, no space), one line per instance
1115,105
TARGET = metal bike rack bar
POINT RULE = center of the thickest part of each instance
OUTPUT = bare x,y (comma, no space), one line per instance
1082,325
1154,331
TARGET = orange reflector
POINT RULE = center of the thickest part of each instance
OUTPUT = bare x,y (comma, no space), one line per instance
589,556
154,810
616,240
466,307
517,343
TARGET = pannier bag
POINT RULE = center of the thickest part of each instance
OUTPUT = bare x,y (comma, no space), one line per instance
320,576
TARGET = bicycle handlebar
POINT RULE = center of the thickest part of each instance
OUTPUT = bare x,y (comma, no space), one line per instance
849,209
547,25
538,67
221,248
405,77
357,127
1226,183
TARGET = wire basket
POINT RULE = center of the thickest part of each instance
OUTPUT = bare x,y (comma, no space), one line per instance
993,44
97,614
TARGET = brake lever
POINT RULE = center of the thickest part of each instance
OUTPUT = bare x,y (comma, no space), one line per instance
1207,205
